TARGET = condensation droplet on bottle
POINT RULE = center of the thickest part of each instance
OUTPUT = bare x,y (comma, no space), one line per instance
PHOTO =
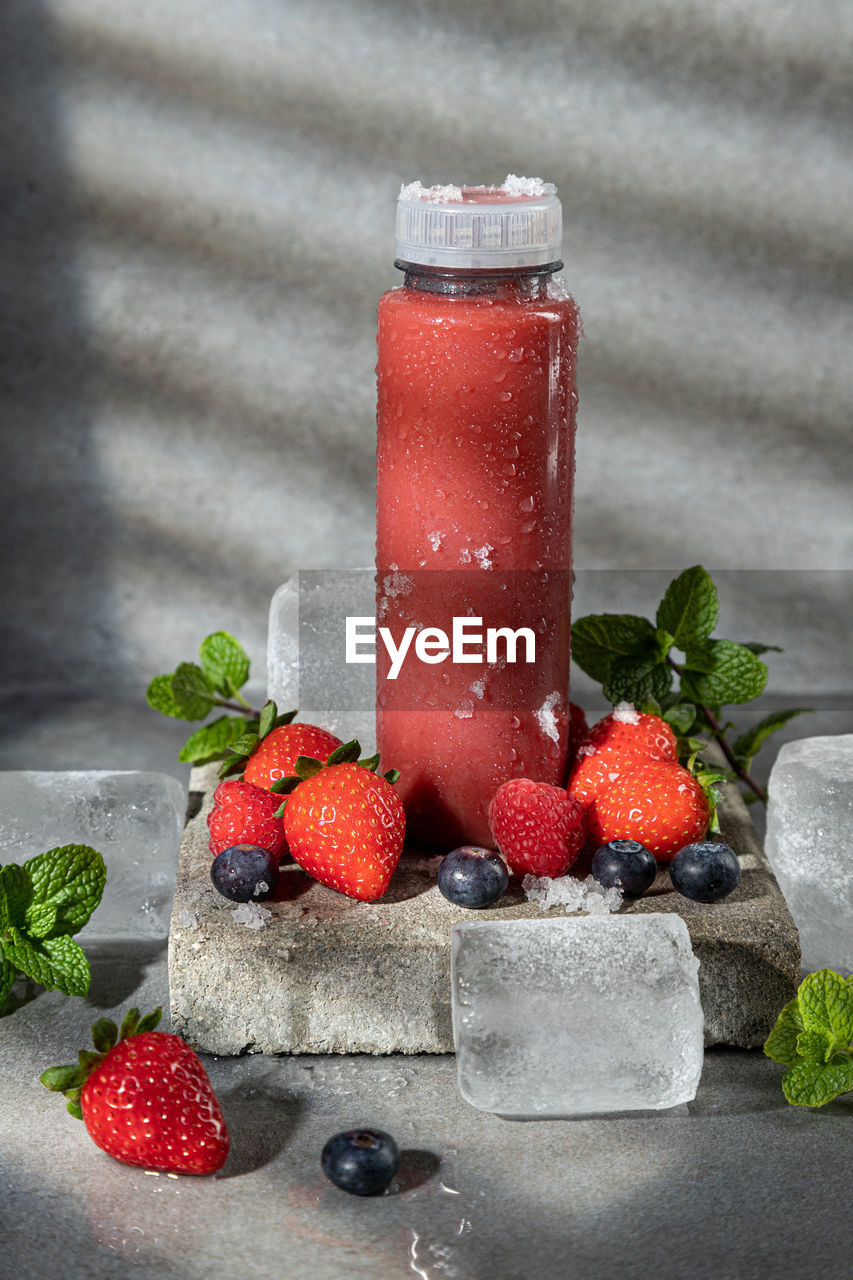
501,353
527,504
514,722
529,527
510,469
504,396
511,451
499,377
516,354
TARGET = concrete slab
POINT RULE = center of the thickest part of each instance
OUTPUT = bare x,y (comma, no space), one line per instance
326,974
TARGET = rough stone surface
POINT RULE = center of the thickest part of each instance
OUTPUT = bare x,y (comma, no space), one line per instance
327,974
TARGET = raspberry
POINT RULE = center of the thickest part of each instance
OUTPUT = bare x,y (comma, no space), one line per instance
244,814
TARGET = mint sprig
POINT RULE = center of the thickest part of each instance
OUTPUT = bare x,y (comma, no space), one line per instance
194,689
636,660
813,1038
42,903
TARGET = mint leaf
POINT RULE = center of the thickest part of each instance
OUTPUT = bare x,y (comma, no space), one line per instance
16,892
191,691
781,1044
826,1004
748,743
633,679
754,647
159,696
225,662
212,741
69,964
599,639
813,1084
680,717
720,671
8,974
817,1046
41,919
689,608
71,879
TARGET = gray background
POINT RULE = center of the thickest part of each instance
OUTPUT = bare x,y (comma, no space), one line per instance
197,219
196,211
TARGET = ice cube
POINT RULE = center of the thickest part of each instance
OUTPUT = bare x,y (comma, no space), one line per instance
134,820
307,665
576,1015
810,845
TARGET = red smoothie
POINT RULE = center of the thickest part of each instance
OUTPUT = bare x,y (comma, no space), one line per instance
476,424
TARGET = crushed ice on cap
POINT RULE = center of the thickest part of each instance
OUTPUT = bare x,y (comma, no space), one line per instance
251,915
438,195
624,713
515,186
546,718
575,895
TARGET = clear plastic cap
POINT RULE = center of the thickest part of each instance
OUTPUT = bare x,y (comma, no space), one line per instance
518,224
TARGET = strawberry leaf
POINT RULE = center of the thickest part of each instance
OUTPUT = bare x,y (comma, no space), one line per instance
284,786
245,744
392,776
348,753
285,718
234,764
307,767
104,1034
224,661
150,1021
689,608
266,723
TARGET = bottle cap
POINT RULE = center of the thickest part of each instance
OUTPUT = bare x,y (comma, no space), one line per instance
518,224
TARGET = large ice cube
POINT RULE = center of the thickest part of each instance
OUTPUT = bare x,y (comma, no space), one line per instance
134,820
810,845
307,663
576,1015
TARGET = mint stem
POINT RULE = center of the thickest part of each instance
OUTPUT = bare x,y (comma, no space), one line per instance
720,735
242,707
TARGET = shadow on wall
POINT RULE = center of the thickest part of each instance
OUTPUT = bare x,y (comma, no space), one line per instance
52,572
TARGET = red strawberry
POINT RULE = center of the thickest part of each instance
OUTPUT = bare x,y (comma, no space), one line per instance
594,772
578,729
145,1100
276,755
657,802
538,828
634,731
243,814
345,826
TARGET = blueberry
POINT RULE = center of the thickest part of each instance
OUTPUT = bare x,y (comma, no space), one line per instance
244,873
472,877
705,871
361,1161
626,865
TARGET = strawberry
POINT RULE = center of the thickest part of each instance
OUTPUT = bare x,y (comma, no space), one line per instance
276,754
345,826
145,1098
243,814
658,802
595,771
578,729
632,730
538,828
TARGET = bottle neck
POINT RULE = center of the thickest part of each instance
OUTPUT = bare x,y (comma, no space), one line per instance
512,282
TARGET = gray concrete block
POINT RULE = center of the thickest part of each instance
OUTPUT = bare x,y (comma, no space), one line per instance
327,974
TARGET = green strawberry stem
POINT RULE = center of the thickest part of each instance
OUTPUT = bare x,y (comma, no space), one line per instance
720,736
70,1080
242,707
